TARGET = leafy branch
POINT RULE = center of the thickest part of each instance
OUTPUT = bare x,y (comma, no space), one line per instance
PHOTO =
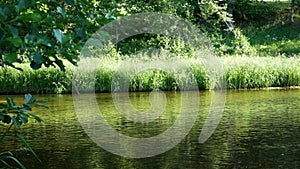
12,115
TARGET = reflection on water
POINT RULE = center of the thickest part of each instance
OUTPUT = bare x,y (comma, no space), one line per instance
259,129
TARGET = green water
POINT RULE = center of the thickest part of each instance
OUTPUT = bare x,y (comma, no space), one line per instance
259,129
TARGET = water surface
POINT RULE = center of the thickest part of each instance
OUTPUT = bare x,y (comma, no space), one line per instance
259,129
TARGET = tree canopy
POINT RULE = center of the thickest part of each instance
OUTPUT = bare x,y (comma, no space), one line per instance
46,32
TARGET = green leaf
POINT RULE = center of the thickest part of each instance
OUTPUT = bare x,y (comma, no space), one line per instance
26,108
42,105
21,5
70,2
29,38
12,158
58,35
6,152
24,117
80,32
61,11
29,17
66,38
10,102
37,58
14,31
29,99
16,121
11,57
37,118
4,12
16,41
22,139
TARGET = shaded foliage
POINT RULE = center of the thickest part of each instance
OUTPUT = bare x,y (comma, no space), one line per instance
46,32
12,115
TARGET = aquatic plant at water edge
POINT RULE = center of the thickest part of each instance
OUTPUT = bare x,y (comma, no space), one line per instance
13,116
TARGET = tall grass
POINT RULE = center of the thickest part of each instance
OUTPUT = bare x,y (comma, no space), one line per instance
258,72
240,73
42,81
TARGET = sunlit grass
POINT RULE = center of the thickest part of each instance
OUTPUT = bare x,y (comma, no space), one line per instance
259,72
239,72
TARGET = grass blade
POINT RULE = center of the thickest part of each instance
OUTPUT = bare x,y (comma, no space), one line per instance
22,139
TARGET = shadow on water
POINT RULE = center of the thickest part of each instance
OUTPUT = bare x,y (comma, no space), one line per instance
259,129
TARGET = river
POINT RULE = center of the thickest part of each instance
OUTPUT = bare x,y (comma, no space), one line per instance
258,129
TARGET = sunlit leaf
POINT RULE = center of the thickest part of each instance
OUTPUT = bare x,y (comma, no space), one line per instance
58,35
29,99
42,105
61,11
10,102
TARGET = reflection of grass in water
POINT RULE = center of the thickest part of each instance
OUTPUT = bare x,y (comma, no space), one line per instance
240,72
140,100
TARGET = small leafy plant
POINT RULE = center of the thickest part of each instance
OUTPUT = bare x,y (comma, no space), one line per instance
12,115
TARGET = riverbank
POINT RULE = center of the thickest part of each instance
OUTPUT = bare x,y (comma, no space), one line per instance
239,72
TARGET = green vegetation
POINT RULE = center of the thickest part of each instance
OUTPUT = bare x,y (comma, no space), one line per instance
44,38
240,73
44,33
274,40
258,72
12,117
260,29
267,27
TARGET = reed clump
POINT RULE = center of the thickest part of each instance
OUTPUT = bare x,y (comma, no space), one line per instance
239,73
